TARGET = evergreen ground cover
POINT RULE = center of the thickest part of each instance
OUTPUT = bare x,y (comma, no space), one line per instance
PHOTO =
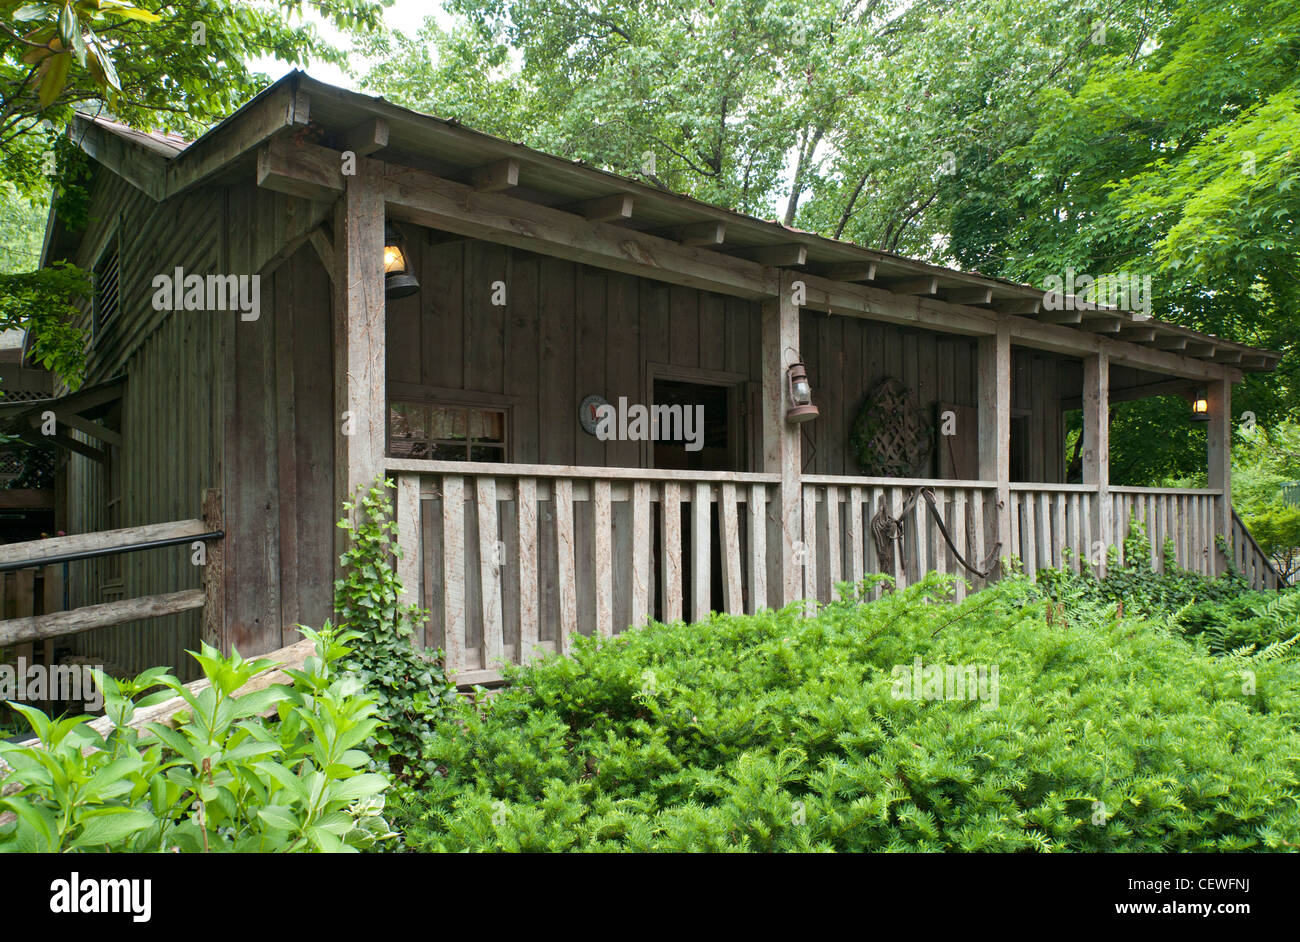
772,732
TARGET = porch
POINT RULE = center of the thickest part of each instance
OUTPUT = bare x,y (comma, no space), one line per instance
511,560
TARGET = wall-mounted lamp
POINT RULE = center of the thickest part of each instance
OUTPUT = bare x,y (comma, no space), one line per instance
801,408
398,280
1200,405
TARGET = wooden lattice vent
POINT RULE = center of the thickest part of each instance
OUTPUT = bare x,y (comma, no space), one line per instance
892,436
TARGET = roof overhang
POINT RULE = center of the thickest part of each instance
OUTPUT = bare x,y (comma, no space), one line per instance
516,192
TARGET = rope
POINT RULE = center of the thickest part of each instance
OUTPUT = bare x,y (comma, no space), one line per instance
887,530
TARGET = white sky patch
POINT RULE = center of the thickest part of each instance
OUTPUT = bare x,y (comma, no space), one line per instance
406,16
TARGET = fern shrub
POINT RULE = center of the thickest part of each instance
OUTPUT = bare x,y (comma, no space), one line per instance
776,732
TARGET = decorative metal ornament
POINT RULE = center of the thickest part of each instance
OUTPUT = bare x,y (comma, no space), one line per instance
587,412
892,436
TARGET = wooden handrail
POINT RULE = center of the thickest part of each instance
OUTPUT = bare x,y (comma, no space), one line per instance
37,552
103,615
492,469
1240,526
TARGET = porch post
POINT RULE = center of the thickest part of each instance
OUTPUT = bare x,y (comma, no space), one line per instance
1219,455
1096,449
781,443
995,427
359,334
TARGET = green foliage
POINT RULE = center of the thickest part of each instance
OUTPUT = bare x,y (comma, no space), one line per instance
776,732
44,303
409,685
222,779
148,62
1137,584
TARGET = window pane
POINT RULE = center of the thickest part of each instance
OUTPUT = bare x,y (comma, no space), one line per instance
446,423
408,420
486,453
487,426
443,451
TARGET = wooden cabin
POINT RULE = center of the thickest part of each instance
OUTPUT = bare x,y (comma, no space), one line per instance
542,285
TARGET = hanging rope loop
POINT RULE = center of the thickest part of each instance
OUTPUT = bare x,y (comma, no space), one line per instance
888,531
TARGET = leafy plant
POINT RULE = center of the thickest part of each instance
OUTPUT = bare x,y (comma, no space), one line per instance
221,779
409,685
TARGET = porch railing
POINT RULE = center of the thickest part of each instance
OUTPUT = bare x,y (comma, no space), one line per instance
1251,560
511,560
841,545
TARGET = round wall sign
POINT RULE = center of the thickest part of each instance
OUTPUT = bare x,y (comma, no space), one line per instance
587,412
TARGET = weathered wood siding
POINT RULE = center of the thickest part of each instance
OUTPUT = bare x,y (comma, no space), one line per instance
846,356
565,331
170,418
213,401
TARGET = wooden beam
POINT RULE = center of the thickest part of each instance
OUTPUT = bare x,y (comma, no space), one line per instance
775,256
283,106
616,206
1101,325
38,550
994,427
367,138
496,176
360,400
1199,348
426,199
700,233
134,163
1061,317
32,437
93,429
1218,454
324,248
301,170
849,271
973,296
1171,342
38,627
1018,306
926,286
1096,448
291,657
1172,387
1227,355
781,440
1137,334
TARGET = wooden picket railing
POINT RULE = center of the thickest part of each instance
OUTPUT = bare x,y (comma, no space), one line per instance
1250,559
512,560
840,543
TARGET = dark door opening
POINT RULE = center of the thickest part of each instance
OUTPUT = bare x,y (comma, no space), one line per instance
716,446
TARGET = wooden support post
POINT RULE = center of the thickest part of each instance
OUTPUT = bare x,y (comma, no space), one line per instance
359,334
1096,451
995,429
781,444
214,574
1219,457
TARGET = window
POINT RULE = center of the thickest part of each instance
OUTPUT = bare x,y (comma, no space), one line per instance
446,433
105,278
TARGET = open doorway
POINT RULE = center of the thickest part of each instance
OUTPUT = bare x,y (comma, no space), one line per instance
716,404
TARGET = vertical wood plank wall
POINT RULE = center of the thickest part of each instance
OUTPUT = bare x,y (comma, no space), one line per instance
212,401
566,331
846,356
